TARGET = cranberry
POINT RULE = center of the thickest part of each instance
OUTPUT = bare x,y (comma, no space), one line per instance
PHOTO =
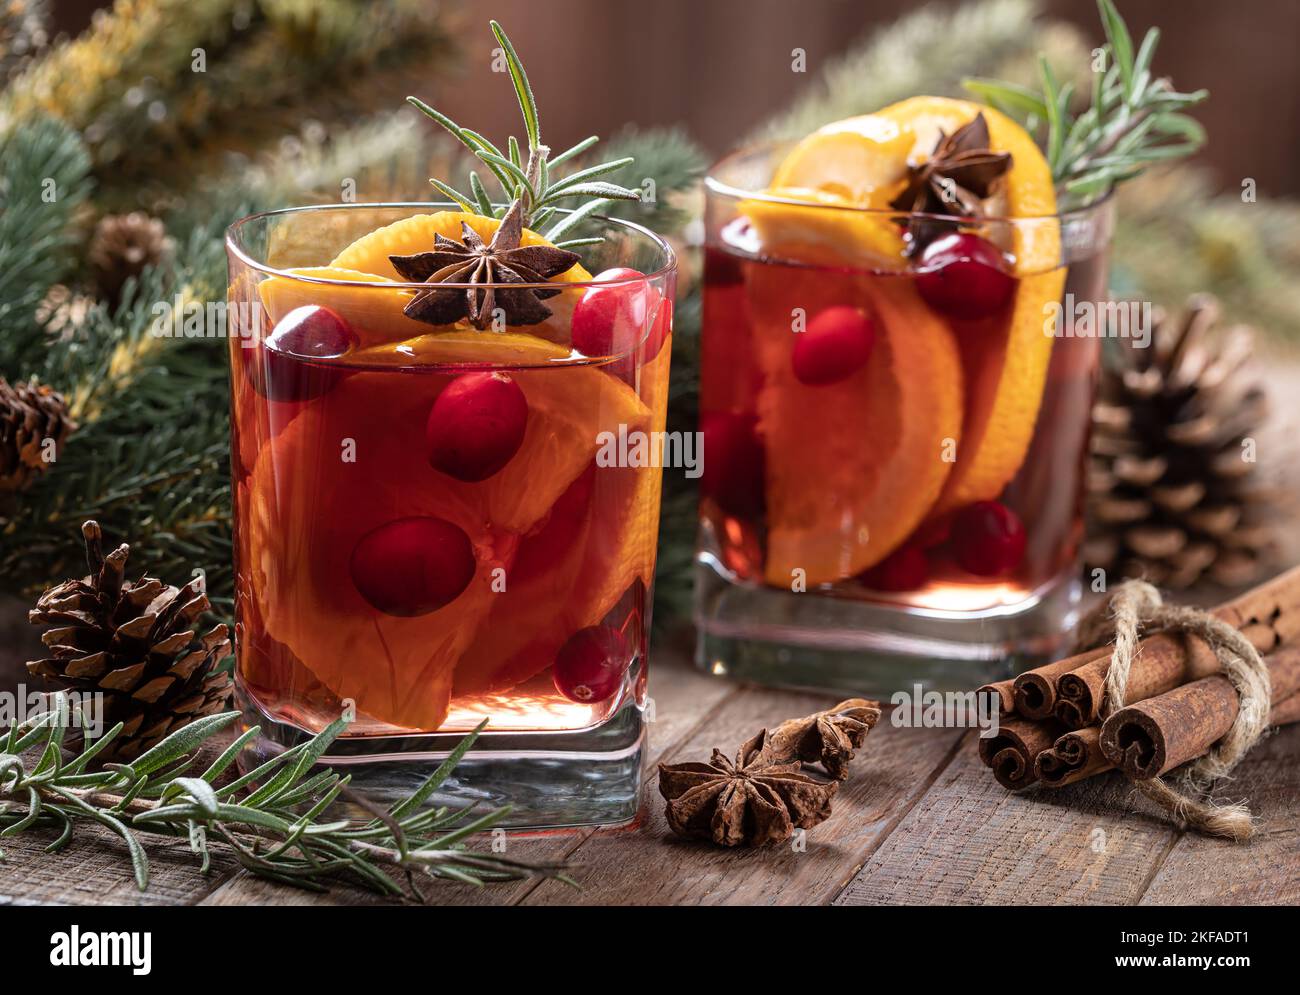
733,462
834,346
591,664
607,321
413,566
987,538
964,276
905,569
476,425
284,367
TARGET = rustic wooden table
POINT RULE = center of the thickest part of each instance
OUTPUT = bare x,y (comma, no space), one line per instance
919,821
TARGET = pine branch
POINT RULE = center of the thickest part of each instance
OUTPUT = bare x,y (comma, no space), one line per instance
157,116
273,820
43,182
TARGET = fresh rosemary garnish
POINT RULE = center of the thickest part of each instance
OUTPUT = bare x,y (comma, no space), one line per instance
1133,119
532,179
270,819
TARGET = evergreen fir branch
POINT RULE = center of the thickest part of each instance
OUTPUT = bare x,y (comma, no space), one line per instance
154,123
43,181
274,820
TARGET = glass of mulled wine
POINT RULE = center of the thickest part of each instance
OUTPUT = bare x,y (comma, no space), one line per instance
424,536
895,408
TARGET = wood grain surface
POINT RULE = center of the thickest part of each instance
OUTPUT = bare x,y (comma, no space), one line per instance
919,820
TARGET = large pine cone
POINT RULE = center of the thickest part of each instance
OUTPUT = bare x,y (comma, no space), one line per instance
1174,493
135,643
30,414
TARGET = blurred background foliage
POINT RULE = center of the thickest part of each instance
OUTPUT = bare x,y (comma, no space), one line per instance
195,112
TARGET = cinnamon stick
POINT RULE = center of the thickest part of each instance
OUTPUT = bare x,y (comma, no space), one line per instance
1267,616
1033,693
1154,736
1074,756
1012,752
1035,690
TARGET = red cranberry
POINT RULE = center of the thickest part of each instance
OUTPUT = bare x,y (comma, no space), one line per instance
413,566
905,569
590,665
284,367
964,276
987,538
834,346
476,425
607,321
733,462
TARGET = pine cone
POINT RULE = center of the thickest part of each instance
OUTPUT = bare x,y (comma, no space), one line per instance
1174,495
122,246
134,642
30,414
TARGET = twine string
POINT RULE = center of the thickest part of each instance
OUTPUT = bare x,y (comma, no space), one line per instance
1135,608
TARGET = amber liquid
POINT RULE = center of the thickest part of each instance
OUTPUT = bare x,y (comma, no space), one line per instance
560,544
747,304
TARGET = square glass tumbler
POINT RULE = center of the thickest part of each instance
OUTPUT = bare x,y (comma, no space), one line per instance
914,518
433,529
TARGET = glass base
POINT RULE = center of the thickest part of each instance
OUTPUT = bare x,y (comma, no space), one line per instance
550,780
820,642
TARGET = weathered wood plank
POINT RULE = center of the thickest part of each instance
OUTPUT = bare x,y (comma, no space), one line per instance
970,841
1265,871
654,867
682,697
94,869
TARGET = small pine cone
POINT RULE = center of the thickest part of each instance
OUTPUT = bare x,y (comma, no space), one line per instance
134,642
1174,494
34,425
62,311
122,246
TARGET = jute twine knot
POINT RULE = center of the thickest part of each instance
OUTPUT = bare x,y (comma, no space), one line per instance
1136,607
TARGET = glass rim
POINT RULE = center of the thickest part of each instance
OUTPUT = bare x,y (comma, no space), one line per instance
234,248
714,185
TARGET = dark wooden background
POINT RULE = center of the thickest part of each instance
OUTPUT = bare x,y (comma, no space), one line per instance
719,67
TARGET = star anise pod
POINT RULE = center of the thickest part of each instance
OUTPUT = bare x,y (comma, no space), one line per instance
486,266
749,801
828,737
958,177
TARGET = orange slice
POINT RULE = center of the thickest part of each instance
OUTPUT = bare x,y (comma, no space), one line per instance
598,540
1005,359
370,253
374,313
309,507
852,467
1027,188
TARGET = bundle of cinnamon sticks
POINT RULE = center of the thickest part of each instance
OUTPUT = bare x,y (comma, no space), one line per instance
1178,704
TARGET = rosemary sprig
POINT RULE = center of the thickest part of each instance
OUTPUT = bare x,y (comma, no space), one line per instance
531,180
1132,120
271,819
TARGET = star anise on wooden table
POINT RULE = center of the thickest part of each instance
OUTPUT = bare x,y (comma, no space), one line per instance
960,175
748,801
486,266
829,738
